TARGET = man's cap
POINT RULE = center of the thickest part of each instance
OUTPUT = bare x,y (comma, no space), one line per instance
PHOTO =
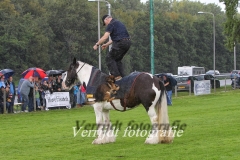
104,18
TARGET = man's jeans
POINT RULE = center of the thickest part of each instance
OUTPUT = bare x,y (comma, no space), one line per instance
38,102
169,97
25,101
30,104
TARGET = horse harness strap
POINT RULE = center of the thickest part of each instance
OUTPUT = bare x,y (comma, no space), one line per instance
81,68
116,108
131,89
126,96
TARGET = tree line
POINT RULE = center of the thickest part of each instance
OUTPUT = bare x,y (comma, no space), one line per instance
49,33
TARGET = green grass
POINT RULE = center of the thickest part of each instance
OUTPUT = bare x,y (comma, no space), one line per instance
212,132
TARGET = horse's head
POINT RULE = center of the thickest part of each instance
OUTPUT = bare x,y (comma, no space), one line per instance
71,78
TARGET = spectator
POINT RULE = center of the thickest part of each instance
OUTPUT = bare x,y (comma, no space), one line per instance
25,90
18,90
11,84
31,101
39,88
168,86
8,99
44,89
2,79
37,97
59,83
1,99
75,93
54,85
51,84
81,96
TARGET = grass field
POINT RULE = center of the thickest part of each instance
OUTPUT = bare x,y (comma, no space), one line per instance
212,132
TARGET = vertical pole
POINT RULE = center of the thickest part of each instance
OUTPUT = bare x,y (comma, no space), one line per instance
152,35
234,53
214,53
234,56
213,46
109,13
99,48
175,90
225,84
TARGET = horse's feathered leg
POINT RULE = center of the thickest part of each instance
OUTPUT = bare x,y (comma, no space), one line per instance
153,138
98,107
158,113
165,132
104,130
109,131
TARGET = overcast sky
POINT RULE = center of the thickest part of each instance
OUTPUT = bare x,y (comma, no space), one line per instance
205,1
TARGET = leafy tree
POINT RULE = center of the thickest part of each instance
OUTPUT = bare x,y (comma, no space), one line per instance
48,34
232,24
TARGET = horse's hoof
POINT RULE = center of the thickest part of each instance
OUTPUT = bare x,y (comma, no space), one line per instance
166,140
111,139
152,140
97,141
104,140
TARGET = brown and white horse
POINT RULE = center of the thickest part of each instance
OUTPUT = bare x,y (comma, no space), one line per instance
135,89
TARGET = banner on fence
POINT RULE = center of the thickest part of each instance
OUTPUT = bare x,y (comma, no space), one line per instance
57,99
202,87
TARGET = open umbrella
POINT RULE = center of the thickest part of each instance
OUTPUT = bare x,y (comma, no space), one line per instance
7,73
35,72
45,79
53,73
62,71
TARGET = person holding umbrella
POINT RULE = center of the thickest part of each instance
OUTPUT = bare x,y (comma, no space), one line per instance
7,73
24,91
11,85
59,83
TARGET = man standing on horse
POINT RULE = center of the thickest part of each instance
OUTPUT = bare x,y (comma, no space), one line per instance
120,41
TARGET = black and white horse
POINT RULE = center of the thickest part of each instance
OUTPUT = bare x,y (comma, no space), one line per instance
135,89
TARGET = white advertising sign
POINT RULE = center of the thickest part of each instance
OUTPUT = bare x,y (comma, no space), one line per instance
202,87
57,99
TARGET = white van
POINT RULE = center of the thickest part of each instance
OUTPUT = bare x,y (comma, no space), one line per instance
190,70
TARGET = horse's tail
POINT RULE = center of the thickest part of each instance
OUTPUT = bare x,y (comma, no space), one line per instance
163,120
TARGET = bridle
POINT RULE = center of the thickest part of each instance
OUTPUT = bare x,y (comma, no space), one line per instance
72,81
